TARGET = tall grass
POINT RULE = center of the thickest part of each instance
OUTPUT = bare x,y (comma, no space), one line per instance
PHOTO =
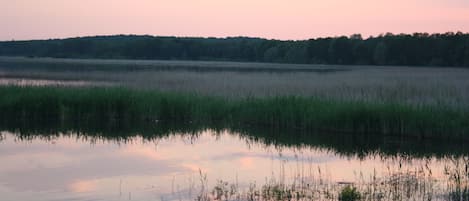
398,183
49,105
410,86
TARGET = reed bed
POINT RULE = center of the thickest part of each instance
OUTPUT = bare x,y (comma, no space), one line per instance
52,105
375,84
400,183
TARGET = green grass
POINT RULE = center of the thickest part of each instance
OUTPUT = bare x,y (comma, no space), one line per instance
349,194
53,105
415,86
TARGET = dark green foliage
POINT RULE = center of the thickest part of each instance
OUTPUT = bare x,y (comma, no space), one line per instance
419,49
348,128
49,105
349,194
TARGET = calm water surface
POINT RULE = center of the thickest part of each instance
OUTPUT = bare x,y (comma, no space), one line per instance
73,167
179,166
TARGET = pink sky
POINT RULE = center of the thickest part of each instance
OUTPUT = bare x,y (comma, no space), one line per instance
279,19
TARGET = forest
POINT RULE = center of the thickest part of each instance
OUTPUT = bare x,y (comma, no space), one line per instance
418,49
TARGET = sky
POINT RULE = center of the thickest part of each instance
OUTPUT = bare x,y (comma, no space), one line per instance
273,19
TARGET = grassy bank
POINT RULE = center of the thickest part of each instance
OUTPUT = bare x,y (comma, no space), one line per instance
52,105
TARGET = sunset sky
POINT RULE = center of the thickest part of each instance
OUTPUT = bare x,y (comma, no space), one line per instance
279,19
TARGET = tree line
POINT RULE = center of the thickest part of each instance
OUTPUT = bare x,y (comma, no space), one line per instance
418,49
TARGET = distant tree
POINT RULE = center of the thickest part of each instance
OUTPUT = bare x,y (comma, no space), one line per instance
379,55
340,51
466,54
272,54
296,54
316,51
356,37
447,49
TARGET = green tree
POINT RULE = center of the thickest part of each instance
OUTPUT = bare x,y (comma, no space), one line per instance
380,53
296,54
447,49
466,54
272,54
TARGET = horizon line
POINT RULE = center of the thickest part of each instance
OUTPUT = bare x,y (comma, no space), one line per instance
234,36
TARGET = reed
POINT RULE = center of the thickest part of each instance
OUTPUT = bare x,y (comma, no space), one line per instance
122,106
398,183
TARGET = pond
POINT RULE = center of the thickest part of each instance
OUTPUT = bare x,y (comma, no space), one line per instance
184,166
86,153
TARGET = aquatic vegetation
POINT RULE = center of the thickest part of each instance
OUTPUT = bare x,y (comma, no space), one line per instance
121,106
457,173
400,185
349,193
404,85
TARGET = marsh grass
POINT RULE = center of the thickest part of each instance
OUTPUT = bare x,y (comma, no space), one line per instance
447,87
349,193
125,107
457,173
399,183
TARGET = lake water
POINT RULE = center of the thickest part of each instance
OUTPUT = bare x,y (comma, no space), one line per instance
178,166
130,162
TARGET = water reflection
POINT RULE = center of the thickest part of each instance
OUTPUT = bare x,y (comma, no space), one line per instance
48,82
71,165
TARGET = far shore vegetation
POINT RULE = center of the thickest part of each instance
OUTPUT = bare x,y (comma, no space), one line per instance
418,49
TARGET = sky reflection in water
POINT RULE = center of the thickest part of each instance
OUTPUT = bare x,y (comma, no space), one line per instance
74,168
